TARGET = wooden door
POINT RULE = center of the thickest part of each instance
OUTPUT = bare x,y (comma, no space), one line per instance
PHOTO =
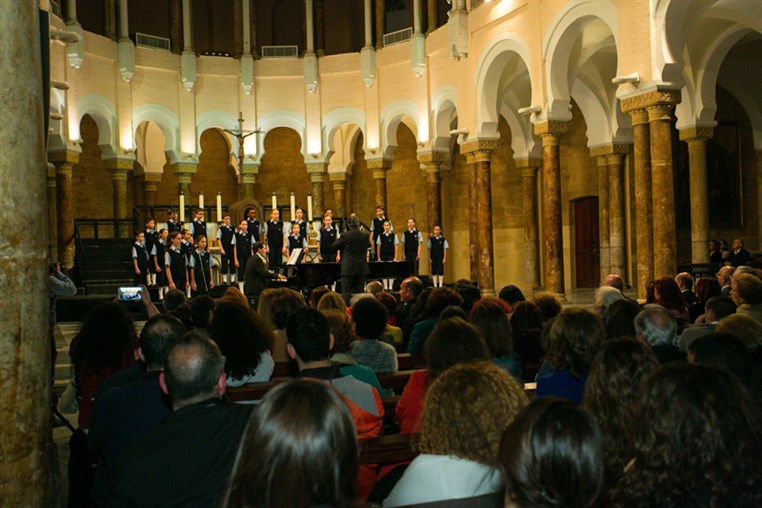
586,242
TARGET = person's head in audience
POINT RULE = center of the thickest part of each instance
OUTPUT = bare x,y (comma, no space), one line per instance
526,316
454,341
194,370
613,280
511,295
667,294
284,303
370,317
331,301
656,326
469,293
264,304
410,289
684,281
552,456
466,410
356,297
620,318
452,311
299,450
604,297
158,335
612,395
389,302
725,351
236,295
745,269
106,337
549,305
746,289
183,313
439,299
746,328
173,299
490,318
342,329
697,442
316,294
574,338
724,275
202,308
418,308
374,287
309,339
717,308
706,288
242,336
650,295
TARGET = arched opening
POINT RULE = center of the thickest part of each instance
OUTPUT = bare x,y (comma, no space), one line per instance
282,170
215,172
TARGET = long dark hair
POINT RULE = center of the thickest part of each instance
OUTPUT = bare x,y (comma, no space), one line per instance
242,336
106,337
299,451
490,318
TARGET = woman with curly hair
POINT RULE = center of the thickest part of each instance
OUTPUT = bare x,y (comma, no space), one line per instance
611,395
436,303
667,294
552,456
491,319
466,411
245,340
697,442
574,337
299,450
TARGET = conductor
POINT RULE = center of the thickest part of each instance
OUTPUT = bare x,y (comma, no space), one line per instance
354,261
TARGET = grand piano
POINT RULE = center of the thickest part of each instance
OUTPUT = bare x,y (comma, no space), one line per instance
308,276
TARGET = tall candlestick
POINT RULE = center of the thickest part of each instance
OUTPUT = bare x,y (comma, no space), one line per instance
293,206
182,207
219,207
201,200
275,202
309,207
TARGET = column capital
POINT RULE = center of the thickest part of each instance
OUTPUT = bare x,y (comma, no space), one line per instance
612,149
184,168
316,168
63,157
335,178
317,177
650,99
551,128
478,148
433,157
149,177
528,167
250,168
696,133
638,117
378,164
119,165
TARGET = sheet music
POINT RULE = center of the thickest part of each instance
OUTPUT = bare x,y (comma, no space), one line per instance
294,257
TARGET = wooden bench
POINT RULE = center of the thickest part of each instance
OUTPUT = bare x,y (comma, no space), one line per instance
387,449
395,380
406,361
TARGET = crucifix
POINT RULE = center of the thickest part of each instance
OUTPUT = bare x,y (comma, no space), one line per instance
241,135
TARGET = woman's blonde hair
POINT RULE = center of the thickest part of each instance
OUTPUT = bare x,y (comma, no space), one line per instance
331,301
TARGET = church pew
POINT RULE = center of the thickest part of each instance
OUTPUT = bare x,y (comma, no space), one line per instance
387,449
407,361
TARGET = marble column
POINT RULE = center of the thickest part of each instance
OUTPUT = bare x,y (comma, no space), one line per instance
379,167
696,137
248,179
52,213
317,172
184,172
617,263
109,19
65,205
119,169
26,468
528,168
662,185
380,24
150,187
431,12
604,226
473,206
339,184
432,162
550,131
484,226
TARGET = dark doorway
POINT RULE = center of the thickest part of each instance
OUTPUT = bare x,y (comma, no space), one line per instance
586,242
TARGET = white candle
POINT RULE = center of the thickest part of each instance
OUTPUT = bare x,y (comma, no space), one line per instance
201,200
182,207
309,207
219,207
275,202
293,206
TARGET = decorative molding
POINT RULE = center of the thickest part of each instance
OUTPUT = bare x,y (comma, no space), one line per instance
119,165
551,128
64,157
650,99
693,133
478,145
528,165
316,169
433,158
379,164
612,149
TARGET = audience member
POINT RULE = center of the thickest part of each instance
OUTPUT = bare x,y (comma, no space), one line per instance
613,280
491,319
202,308
667,294
657,327
724,276
468,292
452,311
723,350
391,329
715,256
236,295
316,294
467,409
245,340
574,336
331,301
697,442
650,298
410,289
603,298
738,255
511,295
173,299
453,341
437,301
620,318
552,456
612,395
370,318
684,281
342,330
417,313
706,288
299,450
746,291
527,323
276,306
374,287
187,459
716,308
750,332
549,305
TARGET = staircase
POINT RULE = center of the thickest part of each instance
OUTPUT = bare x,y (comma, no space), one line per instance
105,264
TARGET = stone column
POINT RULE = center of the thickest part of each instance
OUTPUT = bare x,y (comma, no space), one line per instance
109,21
432,162
379,167
380,24
662,183
643,212
26,467
65,205
176,26
248,179
317,172
473,207
339,183
184,172
150,187
550,131
52,213
615,163
124,32
119,169
528,169
696,138
604,225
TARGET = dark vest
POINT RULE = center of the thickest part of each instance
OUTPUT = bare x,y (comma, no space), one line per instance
201,270
142,252
226,236
187,248
254,229
243,245
327,237
302,229
178,263
387,246
411,243
199,228
173,226
378,227
275,235
437,248
152,238
295,243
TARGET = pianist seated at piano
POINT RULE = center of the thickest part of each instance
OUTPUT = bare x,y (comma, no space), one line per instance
257,275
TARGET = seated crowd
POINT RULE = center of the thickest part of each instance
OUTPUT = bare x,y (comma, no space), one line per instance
624,404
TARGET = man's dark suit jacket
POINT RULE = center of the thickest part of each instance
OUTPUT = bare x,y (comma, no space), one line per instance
185,461
256,276
742,258
353,246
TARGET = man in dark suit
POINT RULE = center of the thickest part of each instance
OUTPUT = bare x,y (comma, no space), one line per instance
354,258
258,275
187,459
685,283
738,256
